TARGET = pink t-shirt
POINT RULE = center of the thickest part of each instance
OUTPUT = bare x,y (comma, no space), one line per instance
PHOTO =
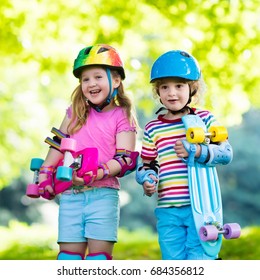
100,131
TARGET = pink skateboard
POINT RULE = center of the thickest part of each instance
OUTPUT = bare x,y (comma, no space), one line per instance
82,162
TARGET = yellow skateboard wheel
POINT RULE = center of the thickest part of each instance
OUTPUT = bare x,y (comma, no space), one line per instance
195,135
218,133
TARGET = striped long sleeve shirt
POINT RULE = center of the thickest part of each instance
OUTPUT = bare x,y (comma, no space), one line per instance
159,138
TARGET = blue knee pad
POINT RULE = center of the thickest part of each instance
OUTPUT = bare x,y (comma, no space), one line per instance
73,256
98,256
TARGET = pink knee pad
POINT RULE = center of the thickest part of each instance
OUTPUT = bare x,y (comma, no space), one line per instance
99,256
67,255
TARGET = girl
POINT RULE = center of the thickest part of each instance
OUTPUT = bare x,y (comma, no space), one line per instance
100,116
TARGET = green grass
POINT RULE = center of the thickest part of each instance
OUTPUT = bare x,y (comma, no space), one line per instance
137,245
246,247
21,242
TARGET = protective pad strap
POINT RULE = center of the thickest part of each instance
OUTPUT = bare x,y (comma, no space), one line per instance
67,255
42,185
204,154
142,175
89,177
98,256
55,142
105,168
191,149
220,154
153,165
46,170
121,156
58,133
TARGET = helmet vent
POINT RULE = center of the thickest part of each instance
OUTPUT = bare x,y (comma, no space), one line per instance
87,50
185,54
102,50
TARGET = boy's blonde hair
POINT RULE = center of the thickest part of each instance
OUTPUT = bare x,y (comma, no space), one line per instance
197,88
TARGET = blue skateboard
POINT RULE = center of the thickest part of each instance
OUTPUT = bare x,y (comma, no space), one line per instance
205,191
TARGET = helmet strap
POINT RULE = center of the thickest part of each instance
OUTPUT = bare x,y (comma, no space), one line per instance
183,109
109,96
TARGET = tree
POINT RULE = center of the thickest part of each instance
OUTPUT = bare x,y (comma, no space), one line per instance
240,180
40,39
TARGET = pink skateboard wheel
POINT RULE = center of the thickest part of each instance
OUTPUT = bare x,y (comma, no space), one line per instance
32,191
68,144
232,230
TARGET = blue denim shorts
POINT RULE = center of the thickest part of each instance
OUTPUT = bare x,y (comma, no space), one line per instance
90,214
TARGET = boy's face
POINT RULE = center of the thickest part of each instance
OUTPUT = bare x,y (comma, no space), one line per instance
174,94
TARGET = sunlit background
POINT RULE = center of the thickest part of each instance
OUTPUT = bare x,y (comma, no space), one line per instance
39,42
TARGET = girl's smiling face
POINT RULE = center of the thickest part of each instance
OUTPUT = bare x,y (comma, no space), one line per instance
95,84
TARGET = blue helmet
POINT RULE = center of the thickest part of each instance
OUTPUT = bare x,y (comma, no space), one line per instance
176,63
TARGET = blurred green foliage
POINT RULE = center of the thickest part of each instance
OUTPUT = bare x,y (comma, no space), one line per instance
22,242
39,41
39,243
41,38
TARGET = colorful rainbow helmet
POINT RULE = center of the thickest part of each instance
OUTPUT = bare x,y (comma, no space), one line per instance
176,63
99,54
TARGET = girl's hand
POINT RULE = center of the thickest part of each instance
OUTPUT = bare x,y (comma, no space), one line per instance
77,181
88,178
50,190
47,188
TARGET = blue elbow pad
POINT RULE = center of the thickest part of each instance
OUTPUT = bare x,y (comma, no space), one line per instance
219,154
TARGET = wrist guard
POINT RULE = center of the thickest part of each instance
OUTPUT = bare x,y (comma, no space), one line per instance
89,178
49,171
106,171
142,175
192,148
46,170
43,193
203,154
152,165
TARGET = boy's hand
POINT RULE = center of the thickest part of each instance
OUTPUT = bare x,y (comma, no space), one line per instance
180,150
150,188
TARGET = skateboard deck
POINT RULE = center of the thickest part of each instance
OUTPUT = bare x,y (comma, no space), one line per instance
205,193
82,162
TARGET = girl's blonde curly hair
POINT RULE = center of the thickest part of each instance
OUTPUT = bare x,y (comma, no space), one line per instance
81,108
